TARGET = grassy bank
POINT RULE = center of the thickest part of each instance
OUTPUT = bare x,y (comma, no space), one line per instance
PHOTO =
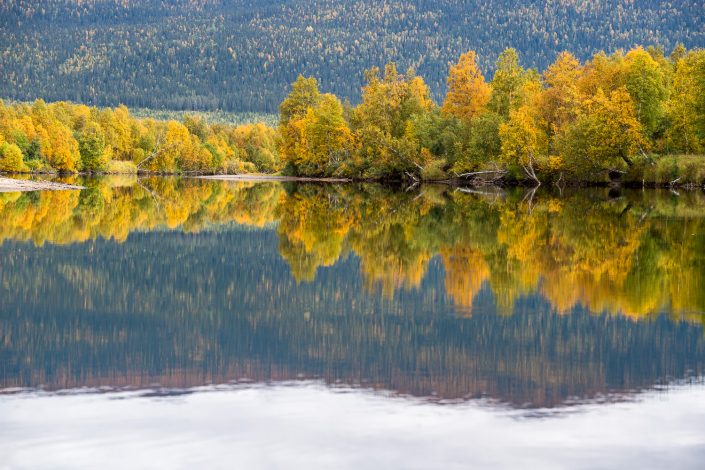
668,170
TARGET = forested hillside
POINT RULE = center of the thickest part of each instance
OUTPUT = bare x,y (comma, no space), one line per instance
242,54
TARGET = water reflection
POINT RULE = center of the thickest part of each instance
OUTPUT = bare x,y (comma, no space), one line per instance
535,300
310,426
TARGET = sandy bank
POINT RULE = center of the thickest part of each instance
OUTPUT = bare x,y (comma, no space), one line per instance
13,185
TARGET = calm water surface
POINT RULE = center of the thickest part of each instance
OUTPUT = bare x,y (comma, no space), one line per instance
182,322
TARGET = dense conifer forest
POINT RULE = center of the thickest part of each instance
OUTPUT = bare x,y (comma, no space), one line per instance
241,55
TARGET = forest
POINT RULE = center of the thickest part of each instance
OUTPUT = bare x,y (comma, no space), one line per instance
635,116
68,138
241,55
609,118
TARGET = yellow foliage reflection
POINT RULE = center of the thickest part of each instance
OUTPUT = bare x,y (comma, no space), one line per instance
637,254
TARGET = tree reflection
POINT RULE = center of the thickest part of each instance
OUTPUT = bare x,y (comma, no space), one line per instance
637,254
184,282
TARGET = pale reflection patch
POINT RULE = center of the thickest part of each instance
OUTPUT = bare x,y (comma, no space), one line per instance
311,426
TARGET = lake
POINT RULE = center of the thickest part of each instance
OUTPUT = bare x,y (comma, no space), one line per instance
167,322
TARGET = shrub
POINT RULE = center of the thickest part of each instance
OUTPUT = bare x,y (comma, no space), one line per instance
236,167
121,167
434,171
11,159
91,147
681,169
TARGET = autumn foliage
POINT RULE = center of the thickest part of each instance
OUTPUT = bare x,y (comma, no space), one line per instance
468,93
66,138
616,114
635,255
575,121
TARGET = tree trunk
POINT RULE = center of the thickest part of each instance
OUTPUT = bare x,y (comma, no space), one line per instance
626,159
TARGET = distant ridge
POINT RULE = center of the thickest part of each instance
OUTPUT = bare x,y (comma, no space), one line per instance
241,55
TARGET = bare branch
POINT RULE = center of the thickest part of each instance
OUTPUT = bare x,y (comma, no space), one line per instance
411,176
477,173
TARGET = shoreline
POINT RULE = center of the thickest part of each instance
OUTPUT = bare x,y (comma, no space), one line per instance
459,182
278,178
11,185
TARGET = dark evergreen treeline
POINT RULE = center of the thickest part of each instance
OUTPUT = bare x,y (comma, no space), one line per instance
242,54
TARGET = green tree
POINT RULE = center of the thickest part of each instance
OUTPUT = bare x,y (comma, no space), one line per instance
485,144
606,135
645,81
383,122
524,136
685,107
329,140
508,78
304,95
443,136
91,146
